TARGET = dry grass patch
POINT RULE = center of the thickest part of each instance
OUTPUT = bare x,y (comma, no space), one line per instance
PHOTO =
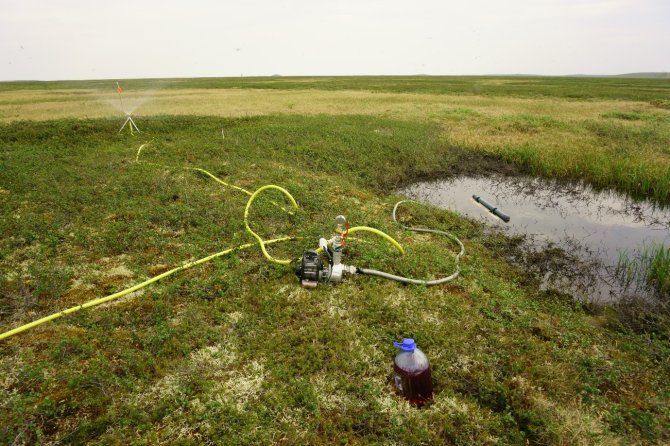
44,105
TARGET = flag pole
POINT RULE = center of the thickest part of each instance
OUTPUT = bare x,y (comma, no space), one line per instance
119,90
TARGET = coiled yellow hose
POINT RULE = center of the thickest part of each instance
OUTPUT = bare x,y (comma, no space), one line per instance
101,300
262,243
256,236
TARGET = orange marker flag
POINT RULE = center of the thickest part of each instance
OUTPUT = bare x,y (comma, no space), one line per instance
118,88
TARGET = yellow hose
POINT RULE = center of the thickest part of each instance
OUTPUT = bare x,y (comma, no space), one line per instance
137,156
219,180
260,241
101,300
383,235
209,174
127,291
246,210
256,236
214,177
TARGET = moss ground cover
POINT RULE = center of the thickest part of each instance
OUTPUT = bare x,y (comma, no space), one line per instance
234,352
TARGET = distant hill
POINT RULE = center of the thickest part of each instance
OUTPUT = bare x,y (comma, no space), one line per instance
659,75
651,75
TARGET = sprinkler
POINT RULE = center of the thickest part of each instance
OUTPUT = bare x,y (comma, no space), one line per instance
129,118
130,123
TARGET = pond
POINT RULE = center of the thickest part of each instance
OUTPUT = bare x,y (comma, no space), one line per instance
592,228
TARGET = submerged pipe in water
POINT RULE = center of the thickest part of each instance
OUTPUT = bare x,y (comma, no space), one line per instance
494,210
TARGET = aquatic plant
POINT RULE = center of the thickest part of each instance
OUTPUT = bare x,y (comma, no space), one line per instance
647,269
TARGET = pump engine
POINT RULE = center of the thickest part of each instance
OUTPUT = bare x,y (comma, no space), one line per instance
311,269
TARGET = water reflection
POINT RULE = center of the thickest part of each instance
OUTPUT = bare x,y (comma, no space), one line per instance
592,227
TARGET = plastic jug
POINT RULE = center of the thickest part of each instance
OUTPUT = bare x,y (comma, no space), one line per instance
411,373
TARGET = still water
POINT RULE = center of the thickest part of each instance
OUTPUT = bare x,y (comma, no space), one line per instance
592,227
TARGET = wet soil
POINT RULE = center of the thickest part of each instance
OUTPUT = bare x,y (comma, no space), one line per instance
461,162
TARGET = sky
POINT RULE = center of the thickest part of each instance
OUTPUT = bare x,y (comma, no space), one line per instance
119,39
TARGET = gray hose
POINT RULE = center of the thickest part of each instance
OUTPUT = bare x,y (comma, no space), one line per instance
374,272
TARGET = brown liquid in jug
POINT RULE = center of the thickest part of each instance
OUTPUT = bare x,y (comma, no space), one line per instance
416,387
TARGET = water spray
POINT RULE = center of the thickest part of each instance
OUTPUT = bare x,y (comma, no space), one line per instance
129,118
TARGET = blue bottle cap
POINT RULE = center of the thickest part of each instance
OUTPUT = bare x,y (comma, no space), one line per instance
407,345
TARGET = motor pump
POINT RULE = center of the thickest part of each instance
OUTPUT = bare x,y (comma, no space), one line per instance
311,269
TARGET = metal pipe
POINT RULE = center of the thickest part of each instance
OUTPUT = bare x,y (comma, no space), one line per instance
494,210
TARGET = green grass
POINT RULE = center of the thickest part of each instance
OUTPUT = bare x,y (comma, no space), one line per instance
610,132
650,268
234,352
656,91
626,151
645,274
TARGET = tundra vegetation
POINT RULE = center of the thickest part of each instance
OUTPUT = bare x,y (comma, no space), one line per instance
234,351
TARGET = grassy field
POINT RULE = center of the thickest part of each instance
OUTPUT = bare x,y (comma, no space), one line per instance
611,132
234,351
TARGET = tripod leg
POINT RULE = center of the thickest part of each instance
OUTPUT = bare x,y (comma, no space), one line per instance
134,125
124,124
